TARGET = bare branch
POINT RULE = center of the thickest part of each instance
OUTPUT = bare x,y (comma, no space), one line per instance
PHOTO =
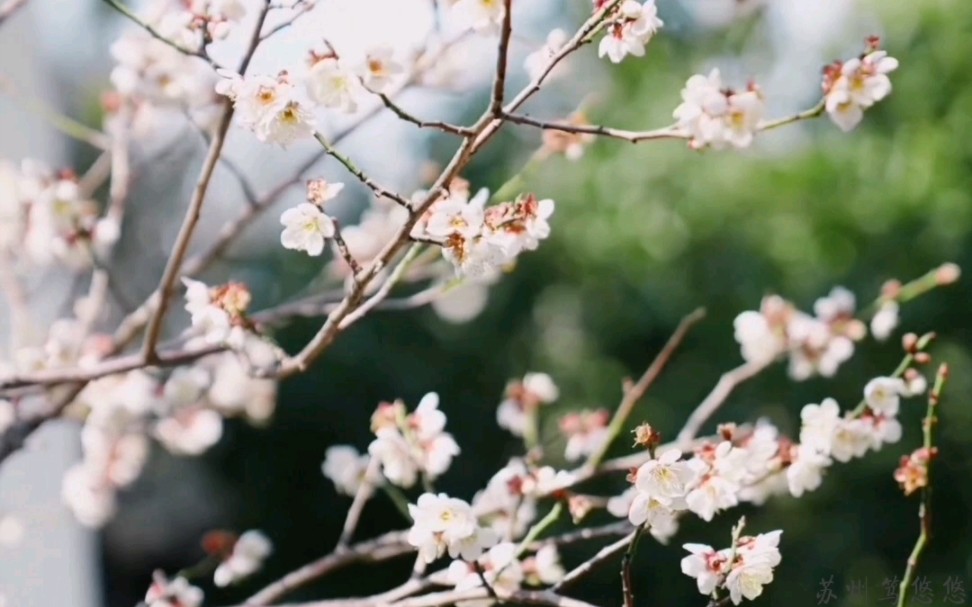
598,559
299,12
715,399
382,548
635,392
445,127
174,265
379,191
384,290
499,82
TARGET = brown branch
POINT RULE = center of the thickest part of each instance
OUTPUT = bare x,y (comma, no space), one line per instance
382,548
715,399
635,392
352,168
174,265
445,127
598,559
361,497
299,12
499,82
627,590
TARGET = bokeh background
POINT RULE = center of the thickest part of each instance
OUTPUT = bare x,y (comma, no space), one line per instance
642,235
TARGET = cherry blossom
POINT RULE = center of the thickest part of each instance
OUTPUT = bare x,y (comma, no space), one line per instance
409,445
743,570
883,395
805,472
585,431
666,479
379,68
332,86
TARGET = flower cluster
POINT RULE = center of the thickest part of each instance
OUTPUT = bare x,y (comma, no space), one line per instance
177,592
912,474
407,445
742,569
219,313
505,572
46,218
717,117
480,240
816,345
508,504
346,468
184,413
271,107
443,524
630,29
852,86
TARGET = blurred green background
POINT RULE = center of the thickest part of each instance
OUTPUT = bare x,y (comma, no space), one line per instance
642,235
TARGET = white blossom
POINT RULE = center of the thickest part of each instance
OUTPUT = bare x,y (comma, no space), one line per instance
346,468
379,68
543,568
885,320
406,446
805,472
819,425
249,552
667,478
706,565
630,31
522,400
306,228
537,61
332,86
883,395
443,524
177,592
190,430
482,15
586,432
855,85
500,567
753,567
715,117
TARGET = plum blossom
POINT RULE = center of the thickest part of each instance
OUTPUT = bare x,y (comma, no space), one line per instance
805,472
523,398
852,86
346,468
332,86
883,395
218,313
743,571
270,107
500,567
721,470
306,228
666,479
177,592
885,320
631,29
716,117
543,568
409,445
819,424
585,431
379,68
912,473
190,430
246,558
443,524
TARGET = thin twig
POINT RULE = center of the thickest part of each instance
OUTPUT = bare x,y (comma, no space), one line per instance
174,265
499,82
384,290
300,11
627,590
382,548
598,559
715,399
361,497
635,392
925,508
127,12
445,127
379,191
